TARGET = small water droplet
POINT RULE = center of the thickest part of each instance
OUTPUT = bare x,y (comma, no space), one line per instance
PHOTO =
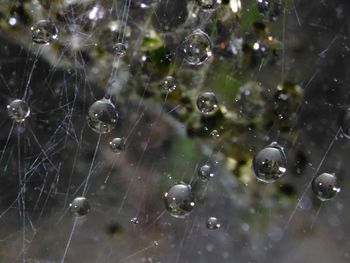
345,124
120,49
325,186
79,207
44,32
197,48
209,6
179,200
117,145
207,103
134,220
270,163
270,9
18,110
213,223
102,116
169,84
205,172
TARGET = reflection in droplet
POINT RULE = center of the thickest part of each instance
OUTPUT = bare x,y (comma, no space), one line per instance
18,110
197,48
213,223
270,163
325,186
79,207
44,32
102,116
207,103
179,200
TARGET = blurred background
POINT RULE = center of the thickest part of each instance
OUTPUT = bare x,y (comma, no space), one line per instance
279,71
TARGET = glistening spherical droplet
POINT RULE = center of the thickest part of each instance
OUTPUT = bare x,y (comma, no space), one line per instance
205,172
79,206
120,49
270,163
325,186
18,110
44,31
209,6
102,116
213,223
207,103
197,48
179,200
169,84
117,145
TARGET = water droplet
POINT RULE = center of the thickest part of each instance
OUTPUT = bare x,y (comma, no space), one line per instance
270,163
120,49
213,223
207,103
215,133
117,145
270,9
79,206
325,186
18,110
134,220
179,200
251,100
209,6
144,4
205,172
169,84
44,32
345,124
102,116
96,13
197,48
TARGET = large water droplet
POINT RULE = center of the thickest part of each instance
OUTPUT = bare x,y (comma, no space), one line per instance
18,110
79,206
44,32
209,5
117,145
179,200
325,186
102,116
197,48
213,223
207,103
270,163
